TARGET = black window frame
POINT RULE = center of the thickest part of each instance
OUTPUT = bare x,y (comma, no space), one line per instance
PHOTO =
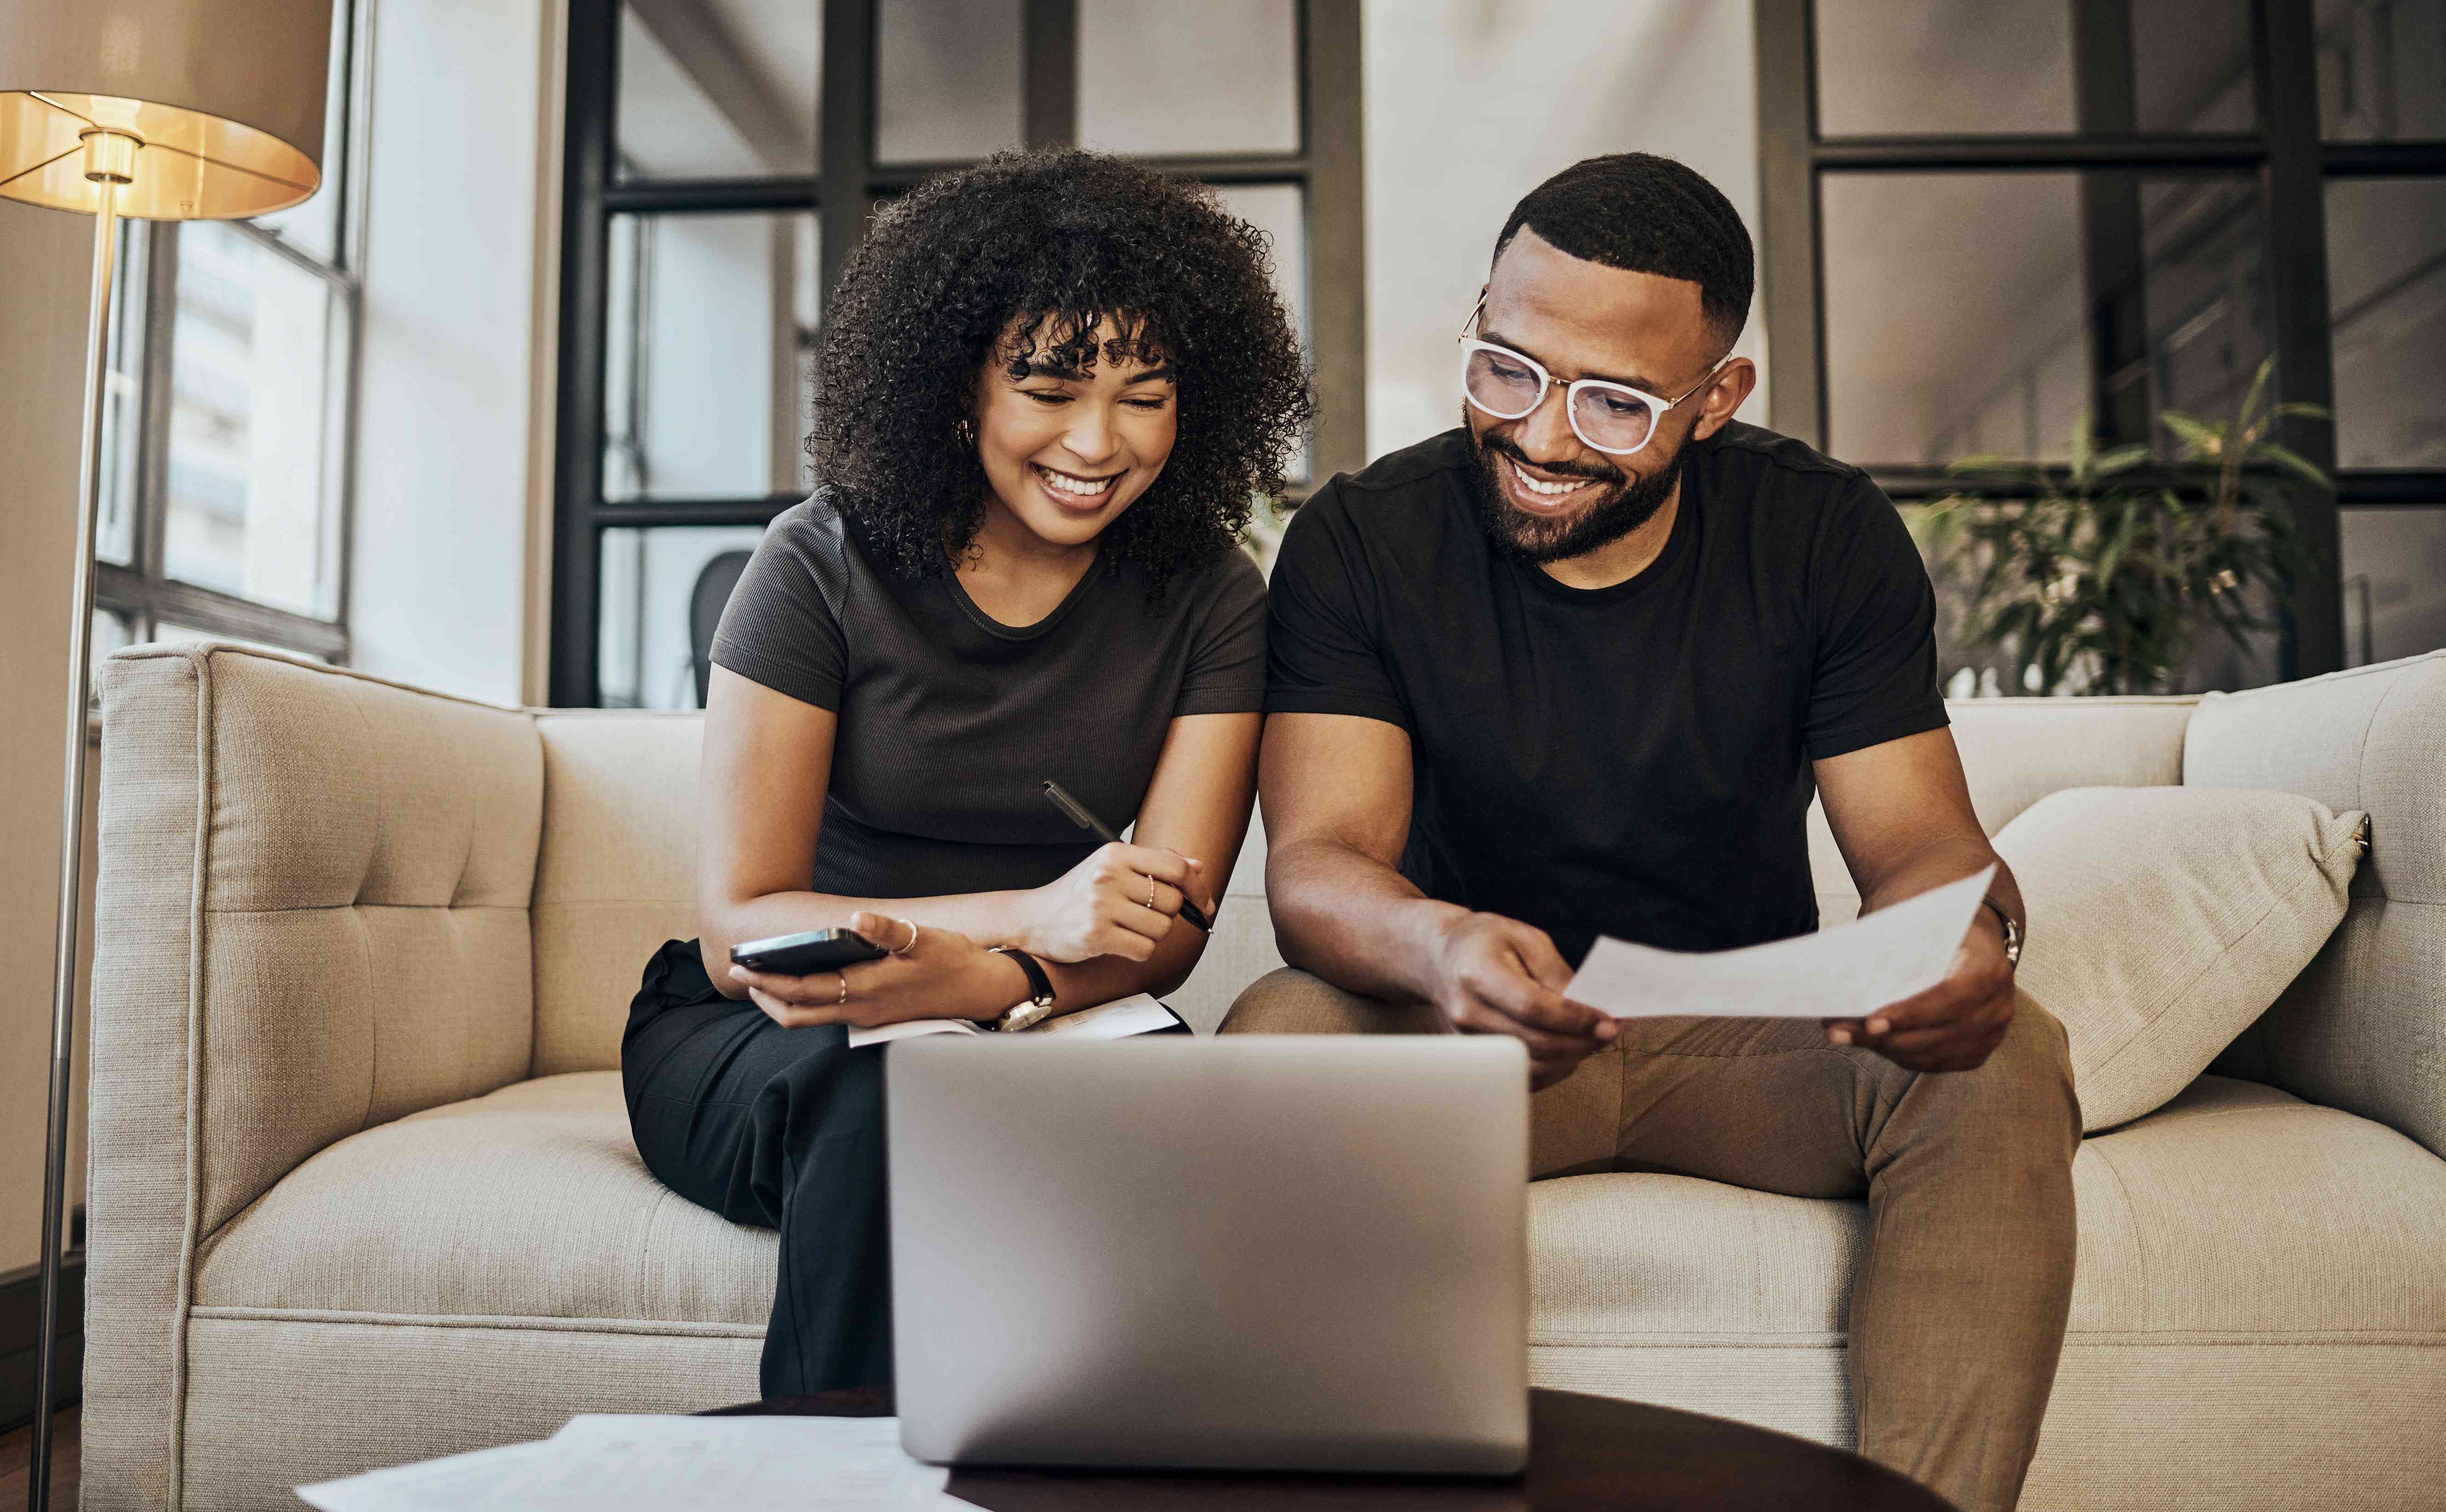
2284,151
849,181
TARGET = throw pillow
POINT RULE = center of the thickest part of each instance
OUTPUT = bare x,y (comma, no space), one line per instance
2164,921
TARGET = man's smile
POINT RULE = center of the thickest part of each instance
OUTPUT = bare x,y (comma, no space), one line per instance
1537,491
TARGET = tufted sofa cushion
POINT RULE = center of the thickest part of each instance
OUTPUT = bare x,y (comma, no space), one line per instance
364,967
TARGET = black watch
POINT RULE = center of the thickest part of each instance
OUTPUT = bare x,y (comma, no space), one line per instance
1039,994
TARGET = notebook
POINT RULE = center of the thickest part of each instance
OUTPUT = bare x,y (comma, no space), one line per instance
1118,1019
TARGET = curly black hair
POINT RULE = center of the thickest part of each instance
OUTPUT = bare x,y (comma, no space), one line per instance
1049,244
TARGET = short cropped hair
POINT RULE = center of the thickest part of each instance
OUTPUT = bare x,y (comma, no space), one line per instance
1647,215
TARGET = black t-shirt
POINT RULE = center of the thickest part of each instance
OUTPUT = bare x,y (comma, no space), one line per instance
951,722
1631,760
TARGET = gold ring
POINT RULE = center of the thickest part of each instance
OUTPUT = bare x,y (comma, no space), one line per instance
844,982
913,937
1150,894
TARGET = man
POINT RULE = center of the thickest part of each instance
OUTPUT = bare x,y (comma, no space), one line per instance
1576,669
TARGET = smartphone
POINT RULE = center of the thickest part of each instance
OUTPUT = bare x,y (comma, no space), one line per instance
804,955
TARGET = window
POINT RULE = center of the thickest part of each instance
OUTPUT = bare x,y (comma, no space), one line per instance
2395,582
723,156
227,411
1988,222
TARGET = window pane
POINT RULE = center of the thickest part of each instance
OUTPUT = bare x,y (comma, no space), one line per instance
1979,347
2395,582
650,633
1219,77
122,401
718,88
253,476
1280,212
2387,289
2190,65
710,331
948,80
1972,68
1960,308
2382,69
313,227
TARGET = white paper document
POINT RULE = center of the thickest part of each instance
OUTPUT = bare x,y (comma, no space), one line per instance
648,1464
1845,972
435,1485
644,1464
1137,1014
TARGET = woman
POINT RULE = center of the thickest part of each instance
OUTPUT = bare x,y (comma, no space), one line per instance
1050,387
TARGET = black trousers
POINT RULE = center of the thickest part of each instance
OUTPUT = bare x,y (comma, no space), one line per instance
783,1128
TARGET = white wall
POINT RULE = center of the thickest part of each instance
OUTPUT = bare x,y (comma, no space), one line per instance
1471,104
451,343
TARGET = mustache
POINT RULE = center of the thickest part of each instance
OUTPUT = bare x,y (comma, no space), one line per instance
1592,471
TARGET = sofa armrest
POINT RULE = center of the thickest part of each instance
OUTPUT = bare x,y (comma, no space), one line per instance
311,917
2363,1027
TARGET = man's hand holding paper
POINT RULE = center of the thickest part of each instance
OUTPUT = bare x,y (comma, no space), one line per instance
1917,982
1954,1025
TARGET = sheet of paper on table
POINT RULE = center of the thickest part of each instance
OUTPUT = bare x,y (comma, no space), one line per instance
435,1485
619,1463
1844,972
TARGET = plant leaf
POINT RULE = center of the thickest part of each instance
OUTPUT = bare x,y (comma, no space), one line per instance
2258,390
2197,433
2293,462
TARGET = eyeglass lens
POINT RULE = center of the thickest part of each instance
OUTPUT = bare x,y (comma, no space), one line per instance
1505,386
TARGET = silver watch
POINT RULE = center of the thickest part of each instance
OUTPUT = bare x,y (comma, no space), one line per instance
2012,931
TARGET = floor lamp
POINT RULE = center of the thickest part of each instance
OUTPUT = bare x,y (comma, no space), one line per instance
144,110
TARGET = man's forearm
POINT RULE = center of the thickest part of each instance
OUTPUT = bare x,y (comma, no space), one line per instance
1938,863
1345,916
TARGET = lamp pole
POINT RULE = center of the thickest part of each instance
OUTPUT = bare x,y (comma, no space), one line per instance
109,162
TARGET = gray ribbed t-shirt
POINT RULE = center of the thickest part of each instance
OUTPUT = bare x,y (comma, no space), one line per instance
950,723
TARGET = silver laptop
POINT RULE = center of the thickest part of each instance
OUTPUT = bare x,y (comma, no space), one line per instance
1261,1252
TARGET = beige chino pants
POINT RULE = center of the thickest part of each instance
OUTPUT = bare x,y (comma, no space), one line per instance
1958,1313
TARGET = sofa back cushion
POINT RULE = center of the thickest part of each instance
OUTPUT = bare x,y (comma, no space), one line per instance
616,875
318,881
2363,1028
2017,751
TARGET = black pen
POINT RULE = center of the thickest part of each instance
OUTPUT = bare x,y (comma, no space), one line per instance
1060,799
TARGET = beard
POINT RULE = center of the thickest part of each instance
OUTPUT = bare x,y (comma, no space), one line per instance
1629,502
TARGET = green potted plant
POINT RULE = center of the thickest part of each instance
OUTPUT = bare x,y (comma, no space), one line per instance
2085,579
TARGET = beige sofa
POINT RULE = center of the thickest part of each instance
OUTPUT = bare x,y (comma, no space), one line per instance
363,1190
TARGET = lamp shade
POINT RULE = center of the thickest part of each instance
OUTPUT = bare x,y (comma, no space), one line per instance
201,109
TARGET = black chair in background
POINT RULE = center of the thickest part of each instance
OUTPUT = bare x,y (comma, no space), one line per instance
714,582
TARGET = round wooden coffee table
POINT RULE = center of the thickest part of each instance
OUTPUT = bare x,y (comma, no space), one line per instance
1586,1453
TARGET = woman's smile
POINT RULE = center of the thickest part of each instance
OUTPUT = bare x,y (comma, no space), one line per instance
1074,490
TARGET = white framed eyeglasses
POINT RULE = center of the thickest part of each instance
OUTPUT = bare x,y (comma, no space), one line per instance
1613,418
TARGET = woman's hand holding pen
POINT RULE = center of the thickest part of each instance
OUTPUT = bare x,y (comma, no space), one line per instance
1119,902
939,973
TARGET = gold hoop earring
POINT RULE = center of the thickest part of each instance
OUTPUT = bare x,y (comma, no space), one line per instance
967,432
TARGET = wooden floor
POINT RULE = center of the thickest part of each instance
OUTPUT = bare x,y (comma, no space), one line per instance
16,1455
